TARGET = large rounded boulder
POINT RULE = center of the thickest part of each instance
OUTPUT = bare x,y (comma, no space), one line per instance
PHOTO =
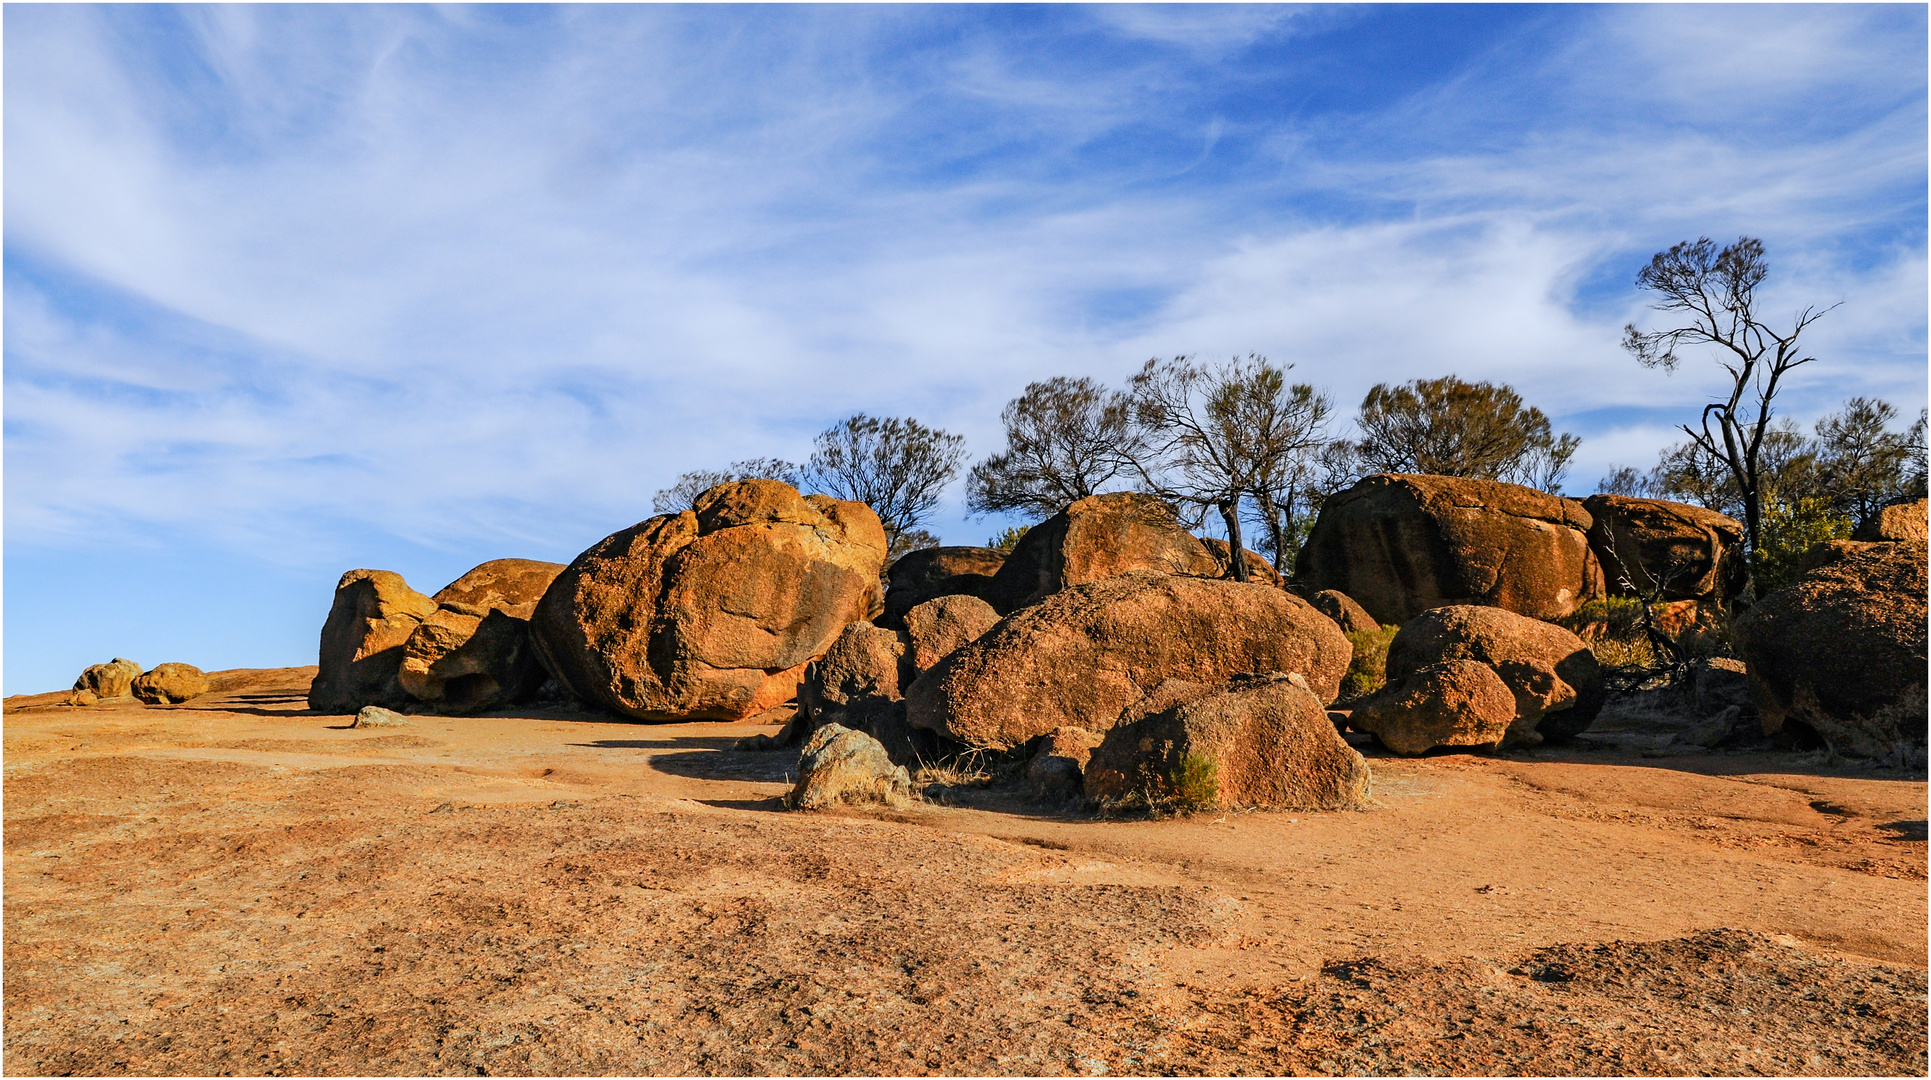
112,681
1256,741
1082,655
171,684
1401,544
474,652
1096,538
712,613
1652,546
1842,651
374,614
1452,703
1557,683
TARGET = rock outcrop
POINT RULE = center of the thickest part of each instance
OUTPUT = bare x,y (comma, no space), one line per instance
929,573
1260,740
1081,655
171,684
1841,651
1096,538
111,681
859,681
1555,679
1351,617
1399,545
1649,545
1899,521
1452,703
844,766
714,612
374,613
473,653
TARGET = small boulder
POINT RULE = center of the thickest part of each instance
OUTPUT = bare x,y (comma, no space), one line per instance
712,613
1351,617
373,716
370,622
1401,544
1057,770
1713,730
1899,521
1256,741
1258,568
1080,656
1557,683
937,628
473,653
106,682
1452,703
1719,683
169,684
840,765
1096,538
857,676
1842,651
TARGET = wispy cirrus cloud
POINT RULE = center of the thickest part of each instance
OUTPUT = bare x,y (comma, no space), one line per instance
428,285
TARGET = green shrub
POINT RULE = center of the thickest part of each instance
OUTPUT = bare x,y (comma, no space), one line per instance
1368,671
1788,530
1196,782
1008,539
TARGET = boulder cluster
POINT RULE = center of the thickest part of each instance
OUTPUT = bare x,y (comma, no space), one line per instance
1111,652
122,680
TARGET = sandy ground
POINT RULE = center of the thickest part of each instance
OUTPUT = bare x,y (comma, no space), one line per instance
243,887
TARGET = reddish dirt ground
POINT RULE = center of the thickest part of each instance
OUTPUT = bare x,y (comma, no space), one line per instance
238,886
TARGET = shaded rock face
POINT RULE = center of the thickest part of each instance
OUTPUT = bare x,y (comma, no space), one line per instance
1254,741
1080,656
1453,703
1258,568
1351,617
370,623
106,682
1842,651
858,684
844,766
171,684
1690,553
1095,538
711,613
1556,681
1901,521
474,652
1057,770
929,573
1399,545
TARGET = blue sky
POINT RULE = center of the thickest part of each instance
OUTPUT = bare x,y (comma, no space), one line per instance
290,290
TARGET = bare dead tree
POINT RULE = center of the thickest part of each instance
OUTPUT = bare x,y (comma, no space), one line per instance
1207,437
897,466
1715,291
1064,441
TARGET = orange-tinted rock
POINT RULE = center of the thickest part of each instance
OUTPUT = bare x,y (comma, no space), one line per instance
1258,568
1260,741
1081,655
1686,551
171,684
1093,539
712,613
474,652
1057,769
1842,651
1399,545
1351,617
937,628
1557,683
1902,521
929,573
373,616
1452,703
106,682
